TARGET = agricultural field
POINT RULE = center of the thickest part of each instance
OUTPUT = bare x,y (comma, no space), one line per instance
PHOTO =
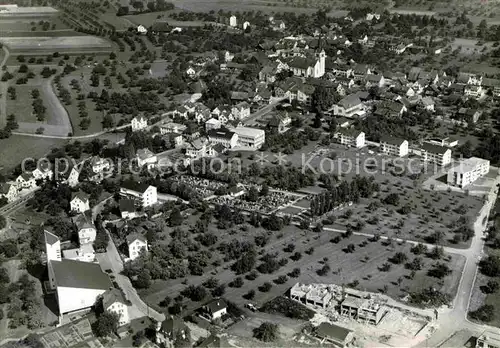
49,45
55,120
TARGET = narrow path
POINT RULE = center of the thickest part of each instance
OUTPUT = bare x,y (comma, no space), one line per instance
3,91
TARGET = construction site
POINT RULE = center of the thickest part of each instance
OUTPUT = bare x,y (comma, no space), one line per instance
373,319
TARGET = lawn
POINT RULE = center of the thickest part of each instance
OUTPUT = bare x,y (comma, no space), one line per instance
17,147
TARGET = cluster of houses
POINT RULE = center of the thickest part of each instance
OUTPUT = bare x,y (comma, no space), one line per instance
25,181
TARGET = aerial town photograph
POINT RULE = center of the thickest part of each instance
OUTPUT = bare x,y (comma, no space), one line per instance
249,173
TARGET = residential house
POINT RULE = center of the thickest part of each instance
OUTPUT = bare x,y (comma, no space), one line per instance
139,123
373,80
99,165
439,155
198,148
127,208
390,108
85,228
352,137
228,56
191,72
468,171
361,71
146,157
278,25
350,106
334,334
233,22
469,115
427,103
223,136
144,193
181,111
113,301
79,202
73,177
469,79
25,181
9,191
43,172
251,138
280,122
474,91
394,146
172,127
241,111
268,73
169,330
246,25
212,124
492,85
216,308
136,242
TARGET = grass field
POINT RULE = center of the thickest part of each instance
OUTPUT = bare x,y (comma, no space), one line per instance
39,45
17,147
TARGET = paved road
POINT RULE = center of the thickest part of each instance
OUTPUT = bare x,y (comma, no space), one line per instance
88,136
456,318
59,115
3,92
138,309
261,112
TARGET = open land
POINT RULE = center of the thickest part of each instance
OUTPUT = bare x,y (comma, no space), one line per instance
48,45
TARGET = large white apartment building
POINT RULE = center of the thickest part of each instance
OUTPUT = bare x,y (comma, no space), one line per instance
352,138
394,146
144,193
468,171
440,155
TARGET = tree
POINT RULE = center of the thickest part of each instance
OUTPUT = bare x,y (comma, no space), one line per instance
106,324
485,313
107,122
3,222
490,266
266,332
175,218
399,258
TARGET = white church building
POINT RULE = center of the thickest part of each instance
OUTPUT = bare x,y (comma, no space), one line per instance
76,284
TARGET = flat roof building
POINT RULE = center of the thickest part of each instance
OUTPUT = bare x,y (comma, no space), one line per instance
468,171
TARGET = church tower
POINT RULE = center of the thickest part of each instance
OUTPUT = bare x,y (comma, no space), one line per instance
321,56
52,247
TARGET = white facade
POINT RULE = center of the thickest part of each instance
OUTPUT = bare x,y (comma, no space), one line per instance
9,191
441,157
246,25
87,235
135,247
352,139
172,127
84,254
148,197
52,246
79,205
351,106
142,30
212,124
73,299
146,158
99,165
468,171
394,147
226,138
40,173
250,137
233,21
241,111
73,177
25,181
139,123
120,309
